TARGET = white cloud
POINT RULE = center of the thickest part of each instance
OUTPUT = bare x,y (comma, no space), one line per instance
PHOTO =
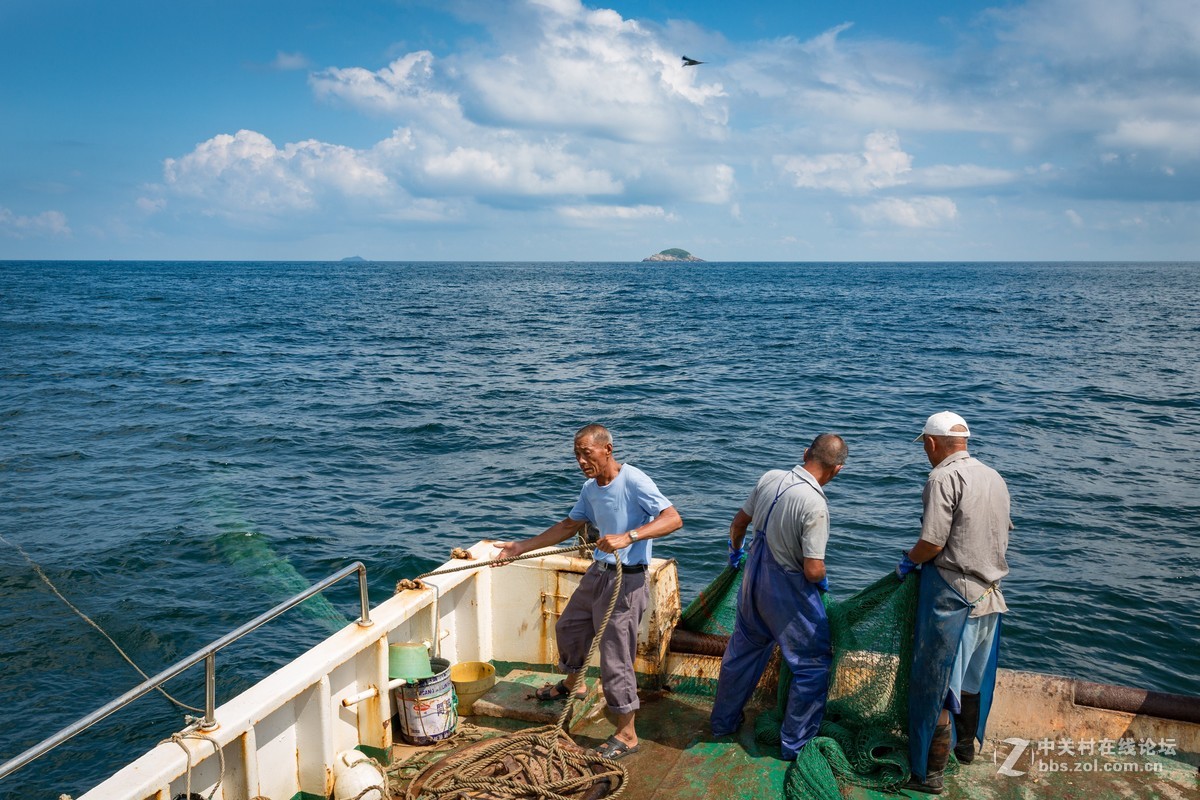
247,172
1167,135
523,169
961,176
406,87
914,212
47,223
151,205
590,70
1074,217
598,213
881,164
491,162
285,62
1089,34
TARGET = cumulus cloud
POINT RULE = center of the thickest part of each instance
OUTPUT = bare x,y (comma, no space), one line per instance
563,67
491,163
405,87
881,164
246,172
47,223
589,70
913,212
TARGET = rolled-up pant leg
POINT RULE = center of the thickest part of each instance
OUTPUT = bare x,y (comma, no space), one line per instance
618,647
583,616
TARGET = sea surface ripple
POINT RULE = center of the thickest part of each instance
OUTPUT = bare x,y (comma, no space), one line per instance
181,442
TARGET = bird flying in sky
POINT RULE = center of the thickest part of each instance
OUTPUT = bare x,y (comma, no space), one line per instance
690,62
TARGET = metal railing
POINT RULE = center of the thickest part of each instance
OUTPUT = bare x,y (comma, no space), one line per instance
207,654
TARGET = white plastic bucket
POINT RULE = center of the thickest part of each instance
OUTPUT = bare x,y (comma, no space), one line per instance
427,708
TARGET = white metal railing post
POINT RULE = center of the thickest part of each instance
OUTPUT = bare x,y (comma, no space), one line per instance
364,619
210,693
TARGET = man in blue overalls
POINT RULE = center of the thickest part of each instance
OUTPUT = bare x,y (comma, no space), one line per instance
780,599
963,547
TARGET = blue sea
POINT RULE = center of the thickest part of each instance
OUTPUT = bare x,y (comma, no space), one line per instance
184,444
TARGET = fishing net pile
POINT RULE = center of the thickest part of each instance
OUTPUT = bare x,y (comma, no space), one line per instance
864,734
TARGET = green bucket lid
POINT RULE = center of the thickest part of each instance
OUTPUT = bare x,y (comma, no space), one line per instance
409,660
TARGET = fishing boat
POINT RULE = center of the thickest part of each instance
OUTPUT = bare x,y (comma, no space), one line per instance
283,738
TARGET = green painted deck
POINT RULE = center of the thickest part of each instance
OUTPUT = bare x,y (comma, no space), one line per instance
678,758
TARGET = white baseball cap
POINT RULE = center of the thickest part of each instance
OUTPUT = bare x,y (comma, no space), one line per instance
940,424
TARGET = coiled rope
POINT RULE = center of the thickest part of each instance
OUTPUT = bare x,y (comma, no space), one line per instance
541,763
41,574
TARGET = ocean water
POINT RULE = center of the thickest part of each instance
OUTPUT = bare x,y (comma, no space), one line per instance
183,445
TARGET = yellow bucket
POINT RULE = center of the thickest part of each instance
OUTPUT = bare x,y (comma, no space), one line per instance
471,679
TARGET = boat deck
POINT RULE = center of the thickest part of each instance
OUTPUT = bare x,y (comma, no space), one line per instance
678,758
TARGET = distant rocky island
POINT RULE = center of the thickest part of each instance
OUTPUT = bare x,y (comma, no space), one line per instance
674,254
353,259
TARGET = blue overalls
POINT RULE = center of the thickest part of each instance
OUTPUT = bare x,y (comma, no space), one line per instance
776,605
942,615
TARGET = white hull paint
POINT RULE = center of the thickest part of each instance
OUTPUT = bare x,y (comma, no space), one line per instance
280,737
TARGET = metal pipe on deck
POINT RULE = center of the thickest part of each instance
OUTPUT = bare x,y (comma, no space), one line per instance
1178,707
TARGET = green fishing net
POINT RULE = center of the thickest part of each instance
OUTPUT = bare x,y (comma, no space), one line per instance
714,610
864,734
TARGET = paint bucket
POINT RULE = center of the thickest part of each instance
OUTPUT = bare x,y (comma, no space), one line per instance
427,707
409,660
471,679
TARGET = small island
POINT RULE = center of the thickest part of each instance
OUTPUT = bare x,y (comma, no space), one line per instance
674,254
353,259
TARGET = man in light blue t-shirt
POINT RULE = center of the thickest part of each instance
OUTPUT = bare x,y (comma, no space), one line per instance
628,509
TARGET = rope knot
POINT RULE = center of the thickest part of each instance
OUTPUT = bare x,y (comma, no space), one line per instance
462,554
404,584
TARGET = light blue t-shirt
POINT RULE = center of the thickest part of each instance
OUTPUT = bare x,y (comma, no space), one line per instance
630,500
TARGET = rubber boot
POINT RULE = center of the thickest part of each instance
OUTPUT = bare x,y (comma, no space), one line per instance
965,725
935,765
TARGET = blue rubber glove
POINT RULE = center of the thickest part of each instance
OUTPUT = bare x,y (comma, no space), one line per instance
737,555
823,584
905,566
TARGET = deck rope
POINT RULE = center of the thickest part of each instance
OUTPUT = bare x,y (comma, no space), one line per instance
178,738
45,579
415,583
531,763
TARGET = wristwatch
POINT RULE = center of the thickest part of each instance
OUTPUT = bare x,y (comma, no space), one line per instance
633,534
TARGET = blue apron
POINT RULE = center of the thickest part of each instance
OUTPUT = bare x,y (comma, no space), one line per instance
776,605
941,617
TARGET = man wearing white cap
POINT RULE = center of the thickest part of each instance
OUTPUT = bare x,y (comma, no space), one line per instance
964,534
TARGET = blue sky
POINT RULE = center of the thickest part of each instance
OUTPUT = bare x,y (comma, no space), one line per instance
555,130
